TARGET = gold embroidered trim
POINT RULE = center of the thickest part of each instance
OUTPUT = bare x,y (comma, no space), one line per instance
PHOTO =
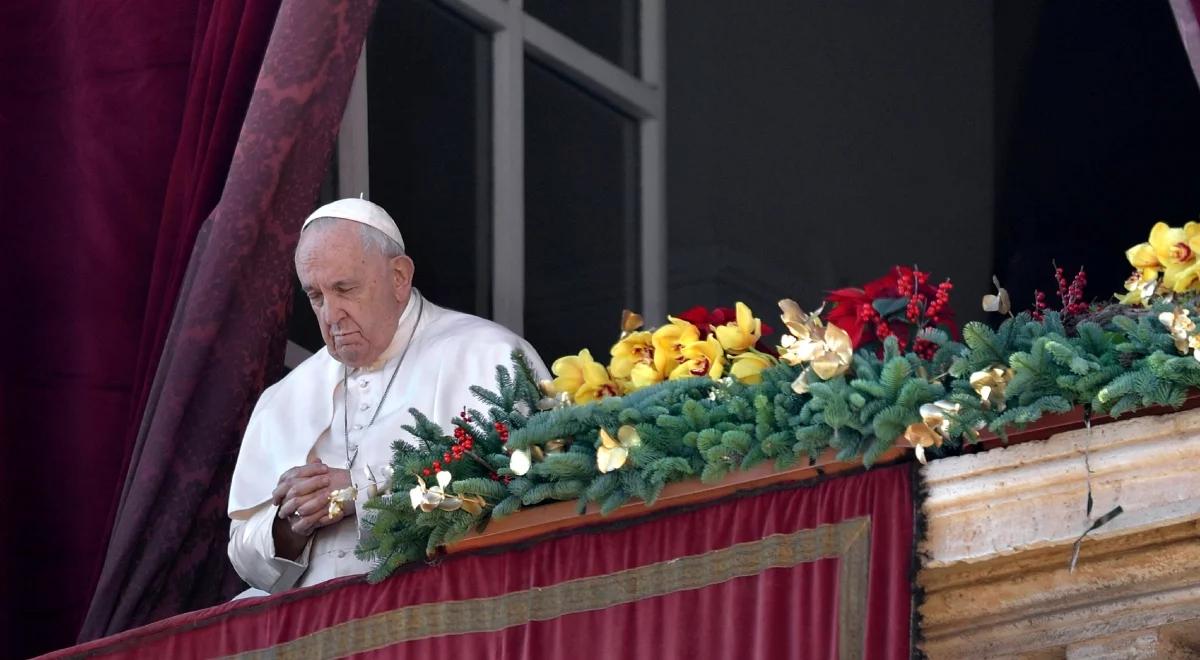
848,540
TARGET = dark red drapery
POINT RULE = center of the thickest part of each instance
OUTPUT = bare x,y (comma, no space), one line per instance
118,138
231,37
798,572
226,339
91,102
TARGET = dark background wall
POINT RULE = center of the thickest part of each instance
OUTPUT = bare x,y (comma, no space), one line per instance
813,144
1097,137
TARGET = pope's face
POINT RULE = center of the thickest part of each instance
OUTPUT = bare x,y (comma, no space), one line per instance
356,292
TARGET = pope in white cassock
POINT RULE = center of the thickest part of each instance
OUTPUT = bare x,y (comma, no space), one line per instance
328,426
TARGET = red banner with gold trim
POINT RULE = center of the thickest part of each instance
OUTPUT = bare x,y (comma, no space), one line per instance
799,571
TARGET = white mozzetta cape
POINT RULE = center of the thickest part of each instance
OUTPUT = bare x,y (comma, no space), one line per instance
450,352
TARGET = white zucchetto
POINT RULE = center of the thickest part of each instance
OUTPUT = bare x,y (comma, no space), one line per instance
358,210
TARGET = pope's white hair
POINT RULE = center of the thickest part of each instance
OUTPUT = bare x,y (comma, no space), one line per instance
372,238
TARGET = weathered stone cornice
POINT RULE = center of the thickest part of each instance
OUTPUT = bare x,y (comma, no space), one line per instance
1000,526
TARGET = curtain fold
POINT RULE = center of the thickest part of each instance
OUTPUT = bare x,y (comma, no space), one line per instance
227,335
231,37
798,571
1187,17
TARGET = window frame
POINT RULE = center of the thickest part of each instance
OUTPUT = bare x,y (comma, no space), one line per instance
514,35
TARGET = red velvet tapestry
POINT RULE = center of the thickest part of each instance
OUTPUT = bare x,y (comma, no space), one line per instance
167,553
801,571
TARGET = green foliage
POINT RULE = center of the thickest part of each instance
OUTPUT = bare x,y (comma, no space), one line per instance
698,427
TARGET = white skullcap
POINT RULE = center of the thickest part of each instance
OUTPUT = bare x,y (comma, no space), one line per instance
358,210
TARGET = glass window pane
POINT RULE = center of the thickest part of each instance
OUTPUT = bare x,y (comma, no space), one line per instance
429,126
581,217
608,28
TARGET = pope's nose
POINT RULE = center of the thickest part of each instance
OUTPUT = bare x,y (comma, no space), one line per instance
332,313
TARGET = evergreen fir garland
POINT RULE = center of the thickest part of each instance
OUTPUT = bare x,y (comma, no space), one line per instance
700,427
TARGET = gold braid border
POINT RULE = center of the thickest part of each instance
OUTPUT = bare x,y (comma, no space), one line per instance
848,540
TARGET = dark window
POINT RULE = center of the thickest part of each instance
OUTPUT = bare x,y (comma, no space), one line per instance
429,122
581,218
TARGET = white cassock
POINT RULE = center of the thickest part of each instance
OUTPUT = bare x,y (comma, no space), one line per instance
303,416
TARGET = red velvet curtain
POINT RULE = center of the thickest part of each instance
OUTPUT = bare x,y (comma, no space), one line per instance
91,103
799,572
226,340
231,37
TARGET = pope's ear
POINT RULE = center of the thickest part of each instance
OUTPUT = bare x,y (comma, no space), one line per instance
402,274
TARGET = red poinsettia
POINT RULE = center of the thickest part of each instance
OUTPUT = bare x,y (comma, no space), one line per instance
706,320
899,303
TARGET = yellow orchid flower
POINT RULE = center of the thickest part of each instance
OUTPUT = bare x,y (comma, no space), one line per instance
1194,344
612,454
669,341
1185,279
644,375
582,378
1143,258
633,349
703,357
748,366
1180,326
741,335
1175,251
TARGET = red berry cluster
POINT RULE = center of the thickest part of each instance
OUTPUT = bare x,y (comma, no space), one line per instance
502,431
1074,303
918,302
913,311
906,286
1039,305
1071,294
883,331
940,299
925,348
1062,283
463,443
